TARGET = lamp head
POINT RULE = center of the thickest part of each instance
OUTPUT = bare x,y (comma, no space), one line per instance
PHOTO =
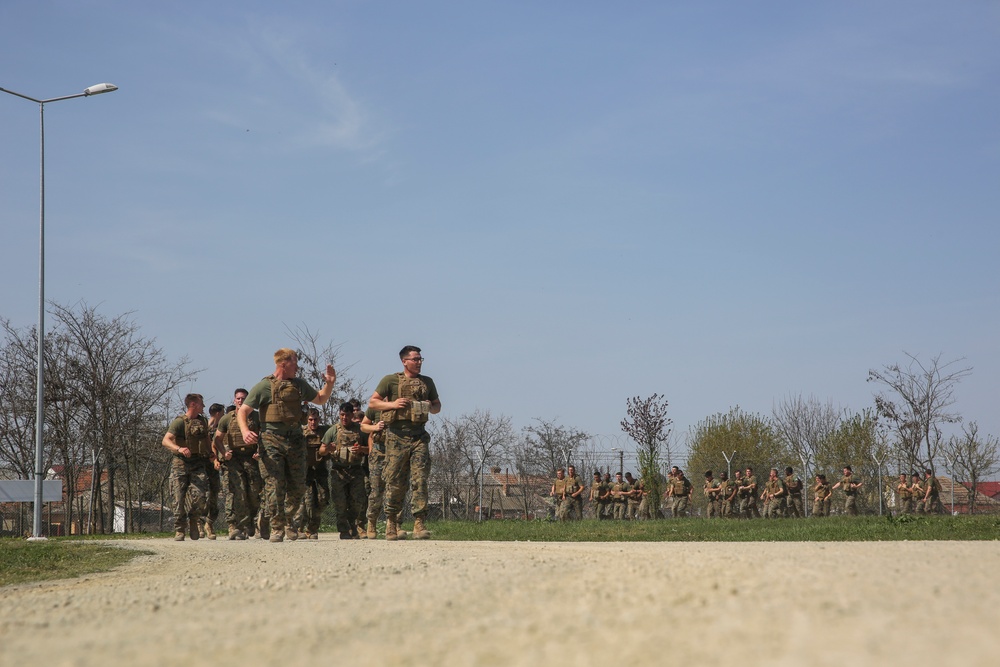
99,88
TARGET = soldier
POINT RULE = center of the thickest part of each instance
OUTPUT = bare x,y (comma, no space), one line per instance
606,498
793,507
725,490
735,495
932,493
317,495
558,495
774,495
595,496
713,491
748,497
850,485
375,428
406,400
619,497
917,493
240,470
207,526
821,496
574,494
188,439
359,416
347,481
632,500
905,497
280,397
679,490
642,493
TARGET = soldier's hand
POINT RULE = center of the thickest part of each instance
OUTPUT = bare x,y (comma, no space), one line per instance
401,403
228,455
250,437
380,426
185,452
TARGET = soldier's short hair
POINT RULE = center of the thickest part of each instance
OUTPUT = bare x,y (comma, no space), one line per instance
346,407
241,390
284,354
407,349
788,470
708,473
191,398
216,409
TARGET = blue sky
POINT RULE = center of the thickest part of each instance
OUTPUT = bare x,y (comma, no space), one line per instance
564,204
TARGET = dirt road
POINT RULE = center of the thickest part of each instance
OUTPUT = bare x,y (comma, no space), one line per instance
485,603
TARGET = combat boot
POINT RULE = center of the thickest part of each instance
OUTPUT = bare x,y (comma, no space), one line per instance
372,531
420,531
193,527
391,530
234,532
291,533
201,529
179,536
209,531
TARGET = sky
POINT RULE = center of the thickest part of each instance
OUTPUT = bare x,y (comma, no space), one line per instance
564,204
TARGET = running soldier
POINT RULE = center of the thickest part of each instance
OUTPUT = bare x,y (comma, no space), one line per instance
794,507
574,494
713,491
406,400
240,471
932,493
347,480
188,439
774,495
904,496
821,496
917,492
280,398
375,428
317,495
558,495
595,496
850,485
748,496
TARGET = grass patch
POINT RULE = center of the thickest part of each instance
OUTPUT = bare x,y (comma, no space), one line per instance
829,529
22,561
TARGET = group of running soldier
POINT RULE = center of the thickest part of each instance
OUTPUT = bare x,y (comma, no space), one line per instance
282,467
742,496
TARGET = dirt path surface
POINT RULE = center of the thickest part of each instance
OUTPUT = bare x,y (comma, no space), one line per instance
514,603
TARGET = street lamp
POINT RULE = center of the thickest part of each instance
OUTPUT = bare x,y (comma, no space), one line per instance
97,89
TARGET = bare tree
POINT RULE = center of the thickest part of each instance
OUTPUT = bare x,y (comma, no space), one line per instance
489,438
313,358
647,423
449,475
973,457
805,425
916,400
549,445
119,381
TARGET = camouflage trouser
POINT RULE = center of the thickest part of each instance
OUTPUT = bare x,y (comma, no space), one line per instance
316,499
906,506
919,506
621,511
595,507
347,493
407,463
712,509
214,487
284,460
644,512
794,507
376,497
678,506
775,508
241,475
727,508
564,509
851,505
748,507
819,508
632,509
189,485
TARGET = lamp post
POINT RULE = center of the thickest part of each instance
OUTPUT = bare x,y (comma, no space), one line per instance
36,531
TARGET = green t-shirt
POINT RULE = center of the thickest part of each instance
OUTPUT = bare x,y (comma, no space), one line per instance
260,396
